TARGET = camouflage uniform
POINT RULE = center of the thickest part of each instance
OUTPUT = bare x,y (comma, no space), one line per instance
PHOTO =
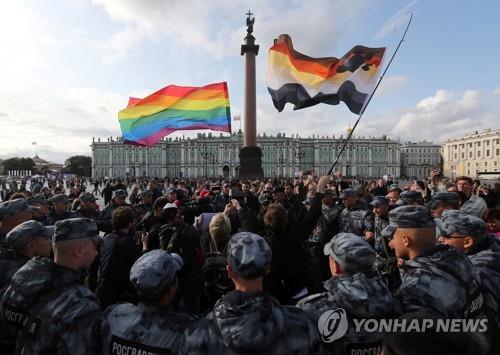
358,291
251,322
61,315
148,327
11,259
35,202
107,213
440,280
326,226
53,217
357,219
10,262
410,197
10,209
484,255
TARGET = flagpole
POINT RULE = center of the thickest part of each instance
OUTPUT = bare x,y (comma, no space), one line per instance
370,97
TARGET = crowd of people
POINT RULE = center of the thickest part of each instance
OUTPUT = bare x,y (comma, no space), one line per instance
278,266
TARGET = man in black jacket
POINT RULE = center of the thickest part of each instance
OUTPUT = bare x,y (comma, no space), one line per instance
118,253
288,277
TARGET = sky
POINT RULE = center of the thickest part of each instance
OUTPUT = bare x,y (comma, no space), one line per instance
68,66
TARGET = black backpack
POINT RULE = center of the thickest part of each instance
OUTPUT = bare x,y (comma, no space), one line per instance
216,282
171,239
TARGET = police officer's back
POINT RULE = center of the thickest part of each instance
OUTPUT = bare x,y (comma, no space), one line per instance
51,311
354,291
151,326
27,240
247,320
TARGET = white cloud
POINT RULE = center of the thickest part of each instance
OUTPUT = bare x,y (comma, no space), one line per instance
497,90
392,84
436,118
217,27
62,123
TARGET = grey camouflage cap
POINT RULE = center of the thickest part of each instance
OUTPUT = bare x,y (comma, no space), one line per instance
379,201
171,190
59,198
447,197
348,193
394,187
408,217
39,199
26,232
87,197
120,193
12,207
75,228
456,221
409,197
153,271
248,255
351,251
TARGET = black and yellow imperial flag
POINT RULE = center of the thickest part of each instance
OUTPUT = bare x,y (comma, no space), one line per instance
305,81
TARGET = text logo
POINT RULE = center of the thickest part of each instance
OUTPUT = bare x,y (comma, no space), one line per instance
332,325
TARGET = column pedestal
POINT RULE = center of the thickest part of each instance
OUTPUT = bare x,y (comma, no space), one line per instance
251,163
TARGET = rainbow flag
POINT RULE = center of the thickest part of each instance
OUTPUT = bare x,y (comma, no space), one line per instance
304,81
173,108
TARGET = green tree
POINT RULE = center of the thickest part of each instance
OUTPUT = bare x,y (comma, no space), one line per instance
18,164
80,165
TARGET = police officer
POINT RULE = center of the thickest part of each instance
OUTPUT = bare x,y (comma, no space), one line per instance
442,201
435,278
151,326
380,205
387,261
354,289
356,217
118,200
40,206
247,320
27,240
326,226
13,213
145,206
45,304
59,209
467,233
410,197
23,242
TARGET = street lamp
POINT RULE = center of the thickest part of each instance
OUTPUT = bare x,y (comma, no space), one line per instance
299,155
281,161
208,158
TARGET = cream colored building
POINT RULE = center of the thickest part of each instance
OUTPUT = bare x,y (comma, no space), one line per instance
472,154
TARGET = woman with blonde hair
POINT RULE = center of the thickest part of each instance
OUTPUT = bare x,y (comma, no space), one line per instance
219,232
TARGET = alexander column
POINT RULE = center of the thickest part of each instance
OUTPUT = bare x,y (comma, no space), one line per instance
250,154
